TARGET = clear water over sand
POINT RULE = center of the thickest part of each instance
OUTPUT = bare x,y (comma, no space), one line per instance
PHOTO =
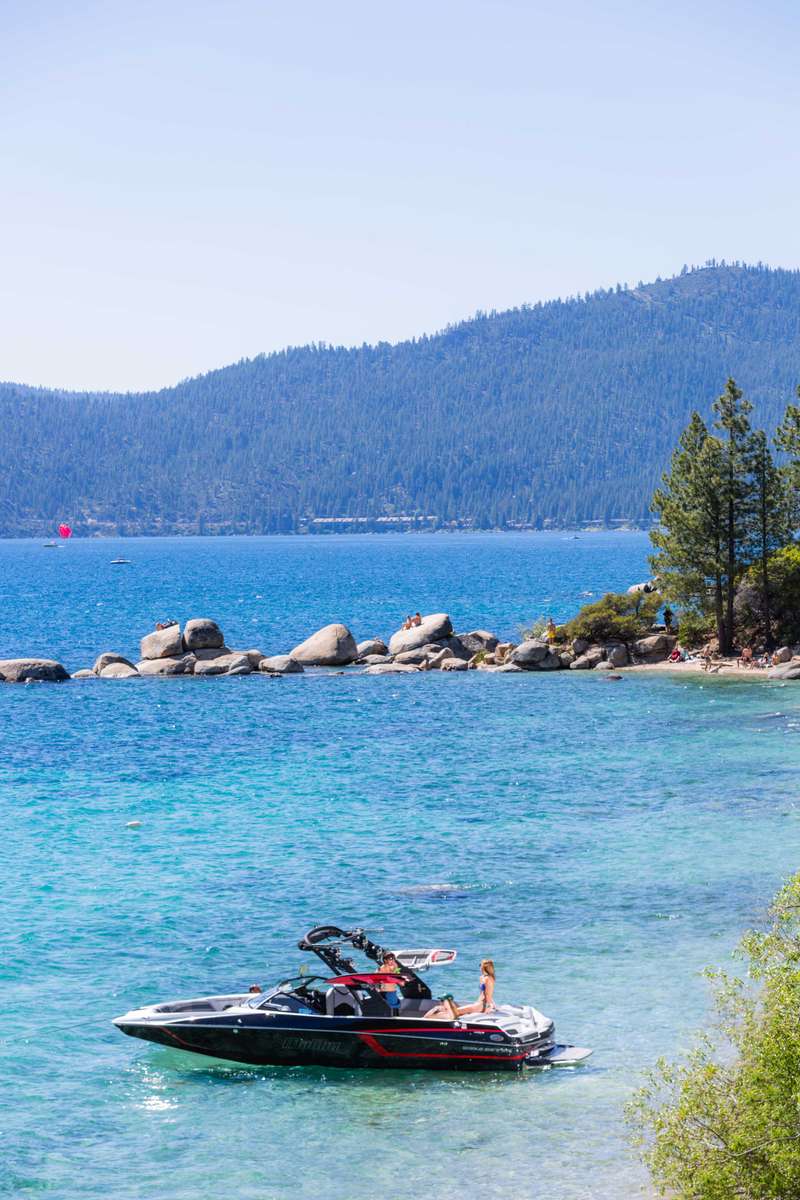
605,840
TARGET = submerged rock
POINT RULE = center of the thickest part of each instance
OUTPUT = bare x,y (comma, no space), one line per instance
22,670
332,646
433,629
162,643
201,633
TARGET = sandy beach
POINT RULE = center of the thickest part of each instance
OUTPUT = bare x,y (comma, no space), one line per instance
726,666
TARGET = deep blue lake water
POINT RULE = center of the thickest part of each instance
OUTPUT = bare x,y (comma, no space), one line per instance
607,842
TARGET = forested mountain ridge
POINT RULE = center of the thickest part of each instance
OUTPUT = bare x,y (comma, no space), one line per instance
557,413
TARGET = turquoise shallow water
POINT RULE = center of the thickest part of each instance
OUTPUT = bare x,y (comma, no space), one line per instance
607,841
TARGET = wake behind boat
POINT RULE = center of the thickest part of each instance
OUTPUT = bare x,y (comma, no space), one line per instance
344,1020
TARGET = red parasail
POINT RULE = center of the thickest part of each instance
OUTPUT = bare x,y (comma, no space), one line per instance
65,531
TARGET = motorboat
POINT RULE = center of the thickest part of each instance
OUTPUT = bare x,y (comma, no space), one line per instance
119,562
342,1019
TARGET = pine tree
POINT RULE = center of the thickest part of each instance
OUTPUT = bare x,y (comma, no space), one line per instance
689,541
732,421
787,439
770,517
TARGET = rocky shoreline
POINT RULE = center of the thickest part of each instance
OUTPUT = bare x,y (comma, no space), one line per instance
199,648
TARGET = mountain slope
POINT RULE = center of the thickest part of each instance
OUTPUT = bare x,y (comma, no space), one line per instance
560,412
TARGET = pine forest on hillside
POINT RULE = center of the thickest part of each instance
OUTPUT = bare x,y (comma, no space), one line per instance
558,414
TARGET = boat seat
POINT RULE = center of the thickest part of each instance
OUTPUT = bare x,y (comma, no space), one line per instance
340,1002
416,1008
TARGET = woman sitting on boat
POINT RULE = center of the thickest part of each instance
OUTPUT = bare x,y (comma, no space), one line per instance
486,1001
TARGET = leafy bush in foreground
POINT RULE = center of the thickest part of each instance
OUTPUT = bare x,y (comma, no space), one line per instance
723,1125
615,617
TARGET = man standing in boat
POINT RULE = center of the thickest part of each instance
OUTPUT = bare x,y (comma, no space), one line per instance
390,990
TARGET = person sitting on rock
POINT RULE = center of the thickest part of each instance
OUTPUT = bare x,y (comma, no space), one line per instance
407,623
416,619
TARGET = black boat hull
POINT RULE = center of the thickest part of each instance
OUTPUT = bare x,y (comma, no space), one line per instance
373,1044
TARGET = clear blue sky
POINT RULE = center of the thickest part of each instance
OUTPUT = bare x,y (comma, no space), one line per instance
186,184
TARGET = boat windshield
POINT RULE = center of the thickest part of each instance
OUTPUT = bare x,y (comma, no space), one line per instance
299,985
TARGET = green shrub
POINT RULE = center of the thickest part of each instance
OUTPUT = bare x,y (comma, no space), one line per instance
721,1124
615,617
537,630
784,588
694,629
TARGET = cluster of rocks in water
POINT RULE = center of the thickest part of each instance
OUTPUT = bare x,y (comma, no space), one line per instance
199,649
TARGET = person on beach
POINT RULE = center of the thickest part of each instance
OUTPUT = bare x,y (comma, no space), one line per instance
668,614
551,630
486,1002
391,994
745,659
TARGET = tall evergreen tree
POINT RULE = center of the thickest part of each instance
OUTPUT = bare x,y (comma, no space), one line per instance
690,539
787,439
733,412
771,522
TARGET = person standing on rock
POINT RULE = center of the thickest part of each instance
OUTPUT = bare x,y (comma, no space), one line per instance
551,630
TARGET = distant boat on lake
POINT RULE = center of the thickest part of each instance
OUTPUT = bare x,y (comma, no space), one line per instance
50,545
118,562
